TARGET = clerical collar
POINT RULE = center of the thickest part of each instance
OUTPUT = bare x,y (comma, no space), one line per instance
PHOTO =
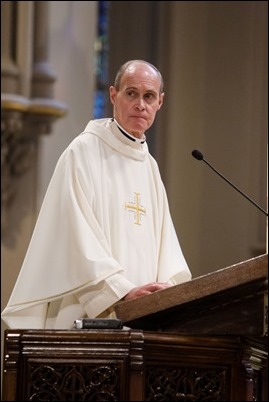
129,136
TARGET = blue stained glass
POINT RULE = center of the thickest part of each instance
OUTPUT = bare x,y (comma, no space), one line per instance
100,101
101,68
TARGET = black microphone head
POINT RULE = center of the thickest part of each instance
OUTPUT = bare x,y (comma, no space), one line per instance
197,154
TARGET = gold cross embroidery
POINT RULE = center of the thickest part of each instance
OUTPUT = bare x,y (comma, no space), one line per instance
138,210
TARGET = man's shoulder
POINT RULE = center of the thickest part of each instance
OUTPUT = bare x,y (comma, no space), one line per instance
96,124
91,132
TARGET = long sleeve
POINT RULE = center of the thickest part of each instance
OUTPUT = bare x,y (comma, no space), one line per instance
68,251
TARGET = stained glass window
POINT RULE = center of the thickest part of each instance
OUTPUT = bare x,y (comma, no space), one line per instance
101,92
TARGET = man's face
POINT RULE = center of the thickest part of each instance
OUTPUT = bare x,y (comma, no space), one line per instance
138,99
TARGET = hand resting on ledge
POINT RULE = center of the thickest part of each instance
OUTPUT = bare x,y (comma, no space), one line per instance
145,290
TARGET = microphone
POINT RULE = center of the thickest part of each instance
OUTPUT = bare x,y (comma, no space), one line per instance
199,156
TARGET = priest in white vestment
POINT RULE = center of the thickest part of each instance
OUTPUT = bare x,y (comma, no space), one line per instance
104,231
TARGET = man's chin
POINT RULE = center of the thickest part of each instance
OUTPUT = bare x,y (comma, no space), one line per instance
138,130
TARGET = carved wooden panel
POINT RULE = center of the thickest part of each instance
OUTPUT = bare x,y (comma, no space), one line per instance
131,365
88,380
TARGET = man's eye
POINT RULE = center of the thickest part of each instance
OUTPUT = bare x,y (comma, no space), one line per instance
150,96
130,93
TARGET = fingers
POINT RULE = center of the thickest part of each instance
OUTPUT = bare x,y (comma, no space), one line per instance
153,287
145,290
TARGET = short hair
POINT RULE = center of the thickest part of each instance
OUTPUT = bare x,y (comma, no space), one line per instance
125,66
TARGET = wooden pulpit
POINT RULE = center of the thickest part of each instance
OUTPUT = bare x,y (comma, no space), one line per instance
203,340
231,301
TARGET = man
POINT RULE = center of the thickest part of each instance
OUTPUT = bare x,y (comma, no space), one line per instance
104,231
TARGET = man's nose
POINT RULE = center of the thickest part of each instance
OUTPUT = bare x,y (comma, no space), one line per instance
140,105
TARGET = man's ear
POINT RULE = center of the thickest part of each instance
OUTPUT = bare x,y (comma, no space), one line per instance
112,94
161,100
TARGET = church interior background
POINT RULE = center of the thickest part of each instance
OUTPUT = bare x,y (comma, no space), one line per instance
58,59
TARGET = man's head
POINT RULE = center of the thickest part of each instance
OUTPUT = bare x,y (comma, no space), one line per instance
137,95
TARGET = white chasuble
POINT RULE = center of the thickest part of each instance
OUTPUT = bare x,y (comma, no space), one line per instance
104,228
